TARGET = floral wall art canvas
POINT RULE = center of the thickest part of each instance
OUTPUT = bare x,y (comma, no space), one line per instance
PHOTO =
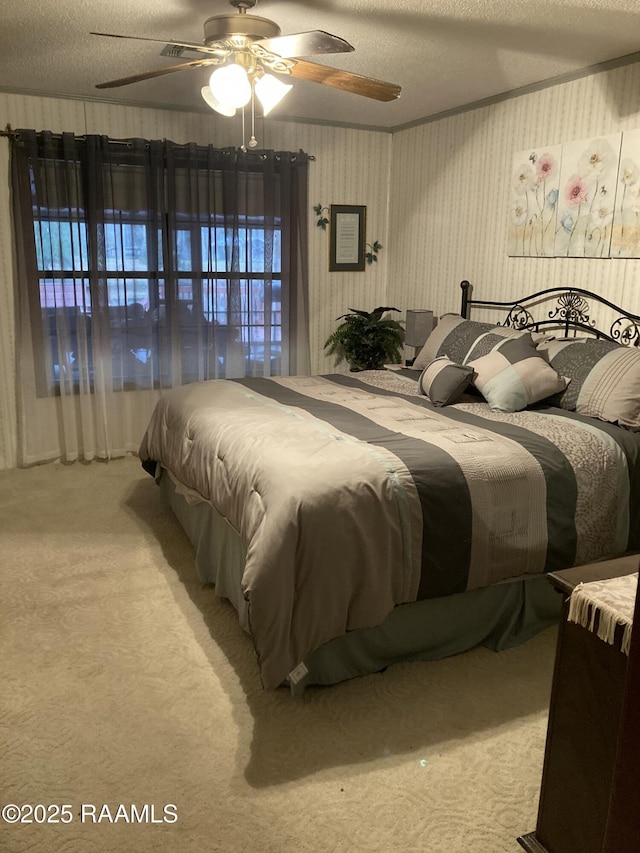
625,238
586,202
533,202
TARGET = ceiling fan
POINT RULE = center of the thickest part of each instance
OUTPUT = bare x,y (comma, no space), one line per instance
255,46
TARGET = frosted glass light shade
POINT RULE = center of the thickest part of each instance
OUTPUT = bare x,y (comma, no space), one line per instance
270,91
215,104
230,86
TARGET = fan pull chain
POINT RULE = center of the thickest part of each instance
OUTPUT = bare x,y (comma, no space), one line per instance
253,142
243,147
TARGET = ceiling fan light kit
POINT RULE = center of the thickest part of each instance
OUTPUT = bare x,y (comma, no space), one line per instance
230,86
245,49
270,91
211,101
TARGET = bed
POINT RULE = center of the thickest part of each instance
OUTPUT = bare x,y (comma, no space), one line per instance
411,513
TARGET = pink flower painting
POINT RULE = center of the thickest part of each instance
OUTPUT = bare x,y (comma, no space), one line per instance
533,203
545,166
576,191
588,179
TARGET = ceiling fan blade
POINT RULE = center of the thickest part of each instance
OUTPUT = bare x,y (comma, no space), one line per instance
345,80
158,72
306,44
215,51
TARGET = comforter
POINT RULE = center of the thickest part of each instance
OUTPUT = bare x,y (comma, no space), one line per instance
353,494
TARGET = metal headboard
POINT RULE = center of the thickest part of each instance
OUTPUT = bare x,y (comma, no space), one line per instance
565,310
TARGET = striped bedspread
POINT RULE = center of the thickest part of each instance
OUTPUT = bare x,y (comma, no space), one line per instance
353,494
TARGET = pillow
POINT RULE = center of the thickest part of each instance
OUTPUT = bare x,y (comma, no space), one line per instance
461,340
514,375
605,379
444,382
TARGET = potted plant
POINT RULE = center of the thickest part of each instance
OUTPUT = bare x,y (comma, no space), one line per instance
366,339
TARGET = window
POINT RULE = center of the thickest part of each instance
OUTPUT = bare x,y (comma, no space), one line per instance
156,264
136,294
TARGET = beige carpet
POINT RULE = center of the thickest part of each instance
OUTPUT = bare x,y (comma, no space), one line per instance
126,682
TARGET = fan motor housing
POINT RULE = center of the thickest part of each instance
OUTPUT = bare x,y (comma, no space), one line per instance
221,27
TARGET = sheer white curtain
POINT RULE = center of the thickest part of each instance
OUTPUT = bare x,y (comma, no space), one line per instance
8,448
142,265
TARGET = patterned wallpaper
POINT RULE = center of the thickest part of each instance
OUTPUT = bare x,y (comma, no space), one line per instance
436,197
450,183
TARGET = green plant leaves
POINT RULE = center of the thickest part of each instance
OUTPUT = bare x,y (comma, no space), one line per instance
366,339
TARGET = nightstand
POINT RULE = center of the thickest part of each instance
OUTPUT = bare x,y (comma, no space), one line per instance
584,721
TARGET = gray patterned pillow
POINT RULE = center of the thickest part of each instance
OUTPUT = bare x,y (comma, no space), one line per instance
605,379
514,375
462,340
444,382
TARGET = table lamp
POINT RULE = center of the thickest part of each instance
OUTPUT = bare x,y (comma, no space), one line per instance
419,324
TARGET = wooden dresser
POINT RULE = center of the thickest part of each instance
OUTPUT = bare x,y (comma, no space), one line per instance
584,722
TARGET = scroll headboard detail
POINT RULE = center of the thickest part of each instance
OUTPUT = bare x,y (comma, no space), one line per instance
563,309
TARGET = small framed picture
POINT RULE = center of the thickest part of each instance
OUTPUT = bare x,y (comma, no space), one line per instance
346,244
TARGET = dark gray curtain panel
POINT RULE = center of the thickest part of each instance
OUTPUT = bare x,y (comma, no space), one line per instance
144,264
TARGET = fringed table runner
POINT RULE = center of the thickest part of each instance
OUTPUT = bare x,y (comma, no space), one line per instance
610,603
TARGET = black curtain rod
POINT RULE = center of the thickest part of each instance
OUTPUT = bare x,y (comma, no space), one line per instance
8,131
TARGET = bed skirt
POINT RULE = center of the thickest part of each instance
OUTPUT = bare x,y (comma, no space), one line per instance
498,617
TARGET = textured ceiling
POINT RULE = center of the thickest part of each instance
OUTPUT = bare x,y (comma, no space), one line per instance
444,54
